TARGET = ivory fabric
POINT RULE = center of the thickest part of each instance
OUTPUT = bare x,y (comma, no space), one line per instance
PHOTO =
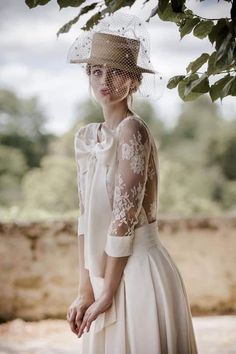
118,177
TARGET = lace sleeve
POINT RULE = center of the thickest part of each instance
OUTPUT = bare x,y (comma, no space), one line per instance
80,228
131,175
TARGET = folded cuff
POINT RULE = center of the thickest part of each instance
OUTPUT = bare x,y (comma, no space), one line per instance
80,229
119,246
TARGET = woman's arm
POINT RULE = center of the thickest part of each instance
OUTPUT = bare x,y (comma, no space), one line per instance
113,274
85,296
85,286
131,175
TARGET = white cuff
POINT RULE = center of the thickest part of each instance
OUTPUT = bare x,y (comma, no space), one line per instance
80,229
119,246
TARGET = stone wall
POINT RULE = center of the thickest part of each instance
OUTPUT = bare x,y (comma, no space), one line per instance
39,265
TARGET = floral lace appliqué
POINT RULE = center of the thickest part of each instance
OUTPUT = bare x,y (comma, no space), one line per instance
135,151
124,206
152,210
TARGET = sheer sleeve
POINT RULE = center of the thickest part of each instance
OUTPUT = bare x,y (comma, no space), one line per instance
80,228
131,175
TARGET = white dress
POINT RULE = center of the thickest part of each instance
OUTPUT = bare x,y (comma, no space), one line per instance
118,190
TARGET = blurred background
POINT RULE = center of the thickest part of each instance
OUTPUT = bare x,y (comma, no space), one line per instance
43,102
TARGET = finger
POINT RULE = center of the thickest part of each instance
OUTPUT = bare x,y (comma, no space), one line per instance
91,318
71,321
81,329
79,319
80,313
83,324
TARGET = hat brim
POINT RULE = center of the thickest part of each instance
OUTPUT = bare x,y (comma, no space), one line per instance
114,64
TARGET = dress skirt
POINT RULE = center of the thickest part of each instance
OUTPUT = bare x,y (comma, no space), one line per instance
150,313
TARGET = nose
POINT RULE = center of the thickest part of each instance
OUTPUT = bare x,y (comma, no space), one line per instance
106,77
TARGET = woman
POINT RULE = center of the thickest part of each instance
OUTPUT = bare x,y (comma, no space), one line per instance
131,295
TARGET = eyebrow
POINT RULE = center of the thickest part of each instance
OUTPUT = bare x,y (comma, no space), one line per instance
94,66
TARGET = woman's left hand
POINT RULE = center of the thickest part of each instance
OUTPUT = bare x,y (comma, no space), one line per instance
99,306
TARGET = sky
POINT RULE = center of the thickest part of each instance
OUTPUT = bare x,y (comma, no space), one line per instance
33,60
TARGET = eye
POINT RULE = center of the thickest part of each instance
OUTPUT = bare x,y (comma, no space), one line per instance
96,72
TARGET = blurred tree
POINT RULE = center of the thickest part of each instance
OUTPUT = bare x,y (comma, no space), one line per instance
198,122
203,144
221,150
52,186
21,116
12,161
22,126
146,111
12,168
229,196
182,195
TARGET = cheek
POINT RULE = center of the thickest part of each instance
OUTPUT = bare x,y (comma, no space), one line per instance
122,84
94,83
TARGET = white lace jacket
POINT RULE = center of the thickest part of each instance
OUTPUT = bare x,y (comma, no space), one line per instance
117,171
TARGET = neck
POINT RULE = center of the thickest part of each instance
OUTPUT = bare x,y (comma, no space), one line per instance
115,113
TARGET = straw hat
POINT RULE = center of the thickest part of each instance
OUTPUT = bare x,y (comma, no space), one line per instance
119,41
117,51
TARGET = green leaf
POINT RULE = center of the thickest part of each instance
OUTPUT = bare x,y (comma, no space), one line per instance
34,3
200,85
233,87
203,28
225,45
216,89
189,13
189,24
71,3
93,21
225,61
114,5
162,5
177,5
219,32
169,15
212,69
190,97
65,28
182,87
197,63
225,57
227,87
173,82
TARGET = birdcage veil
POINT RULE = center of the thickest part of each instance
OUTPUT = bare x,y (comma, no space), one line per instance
120,42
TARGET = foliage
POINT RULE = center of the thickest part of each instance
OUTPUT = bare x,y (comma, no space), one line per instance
12,168
200,145
197,165
12,161
20,115
220,32
182,195
22,126
46,187
221,150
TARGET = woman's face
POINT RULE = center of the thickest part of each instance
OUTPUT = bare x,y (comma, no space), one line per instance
109,84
